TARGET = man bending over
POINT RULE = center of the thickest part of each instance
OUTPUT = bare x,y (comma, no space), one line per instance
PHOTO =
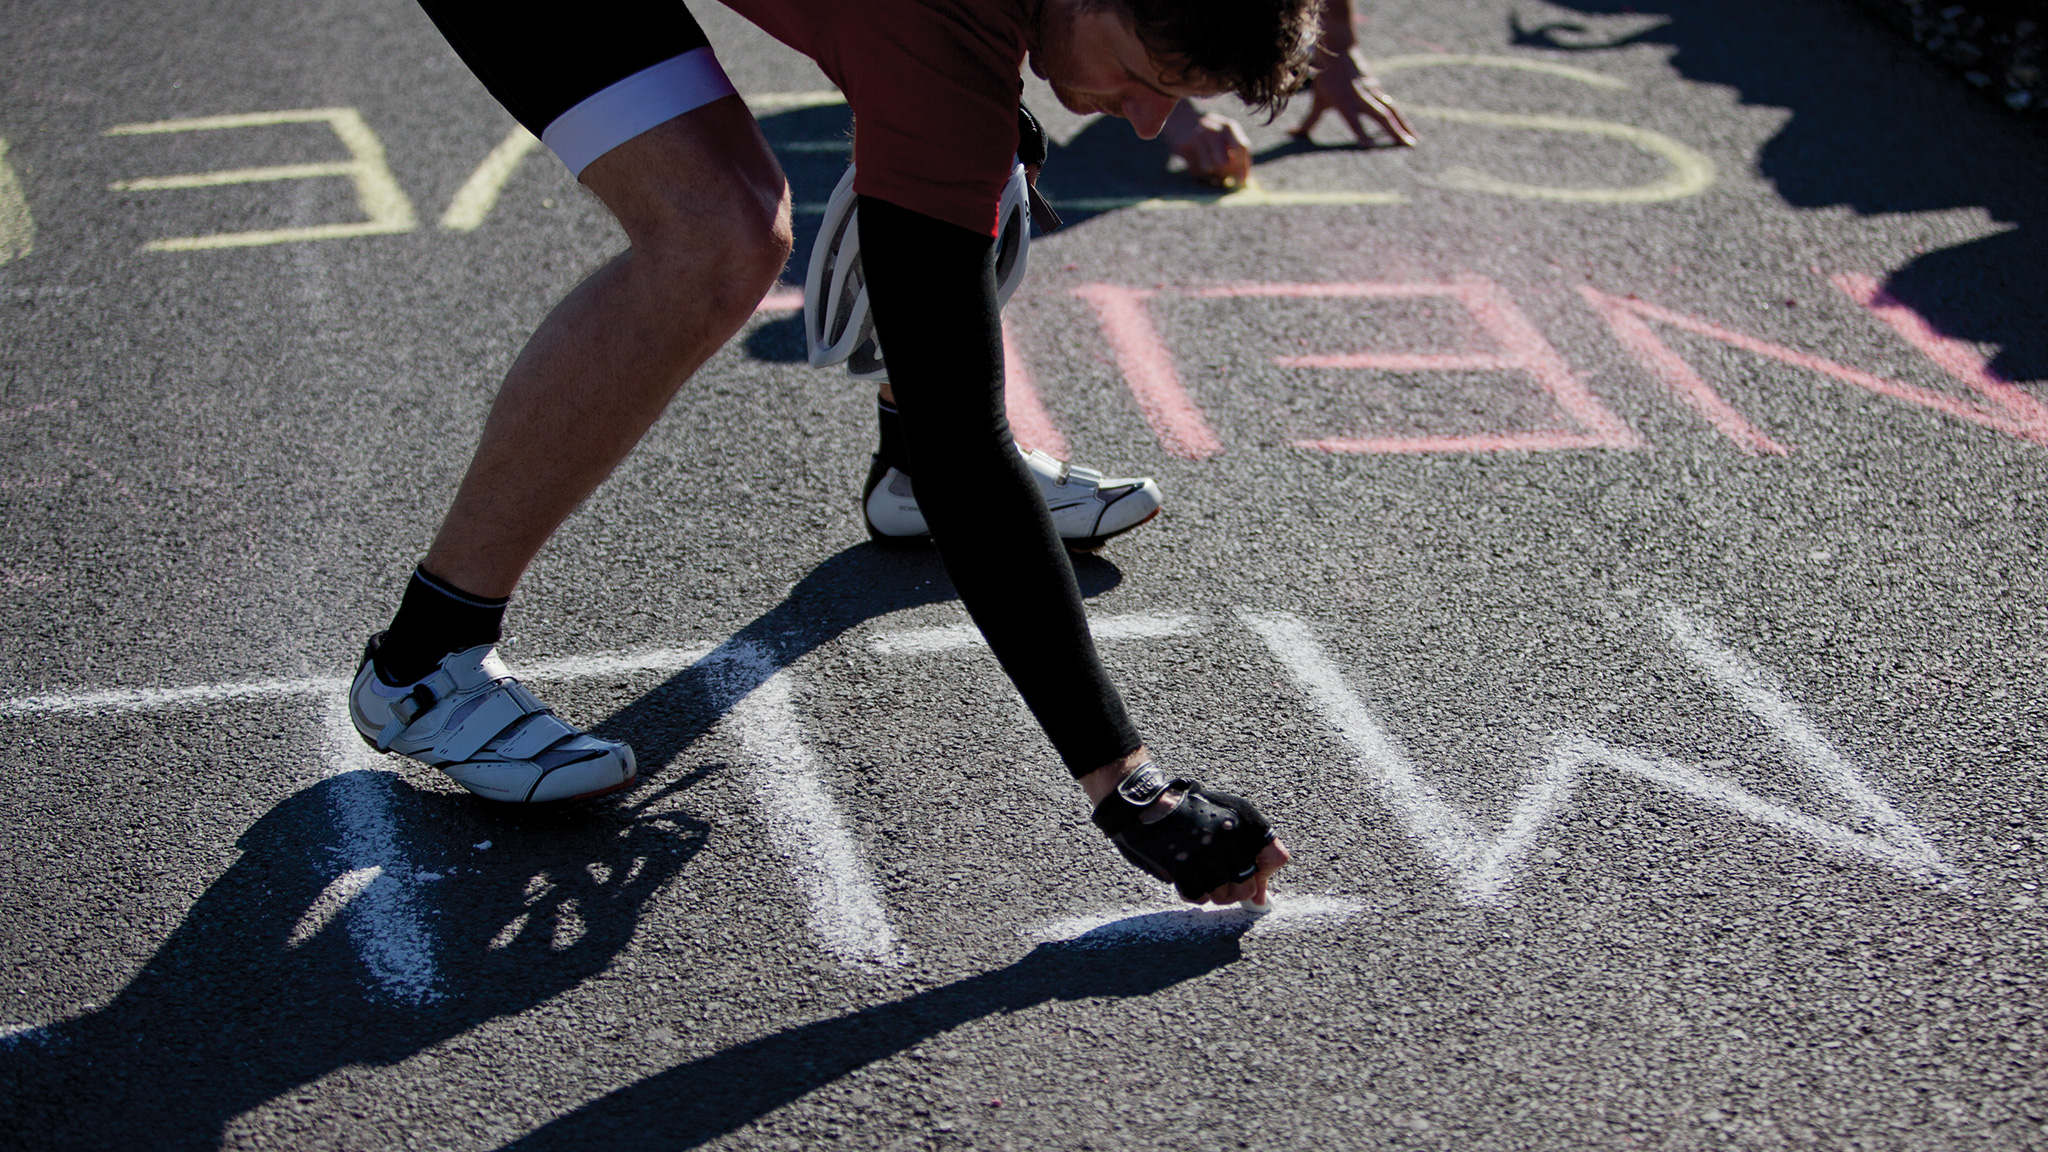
629,95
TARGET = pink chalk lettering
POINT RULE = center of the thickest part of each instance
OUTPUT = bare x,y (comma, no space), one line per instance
1675,374
1148,371
1951,355
2009,415
1029,420
1520,347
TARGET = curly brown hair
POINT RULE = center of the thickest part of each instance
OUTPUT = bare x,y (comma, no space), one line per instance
1260,49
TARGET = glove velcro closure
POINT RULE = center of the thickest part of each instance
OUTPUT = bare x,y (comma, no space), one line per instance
1208,840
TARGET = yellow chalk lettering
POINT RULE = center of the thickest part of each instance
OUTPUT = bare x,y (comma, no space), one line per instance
1691,172
377,191
479,194
1543,67
17,227
1252,195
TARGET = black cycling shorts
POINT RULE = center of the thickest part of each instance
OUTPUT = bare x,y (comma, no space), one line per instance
585,78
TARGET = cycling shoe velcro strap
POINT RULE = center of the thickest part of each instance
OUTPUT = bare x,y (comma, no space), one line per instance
1086,476
506,704
1207,840
542,731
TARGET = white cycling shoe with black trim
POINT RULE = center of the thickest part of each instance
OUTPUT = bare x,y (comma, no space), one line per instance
472,720
1086,507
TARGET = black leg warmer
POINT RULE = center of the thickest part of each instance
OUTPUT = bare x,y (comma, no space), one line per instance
932,287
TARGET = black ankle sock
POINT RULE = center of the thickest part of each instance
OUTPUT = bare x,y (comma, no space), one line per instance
893,453
434,619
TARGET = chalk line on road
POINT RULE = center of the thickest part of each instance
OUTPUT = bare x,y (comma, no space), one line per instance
15,1035
338,894
152,699
479,194
17,224
1482,865
374,883
1897,843
624,663
1151,925
754,693
960,637
385,923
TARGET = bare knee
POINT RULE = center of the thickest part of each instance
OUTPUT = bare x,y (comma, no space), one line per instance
726,251
756,240
702,199
728,254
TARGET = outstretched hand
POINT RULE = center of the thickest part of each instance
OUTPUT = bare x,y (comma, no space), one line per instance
1214,147
1102,783
1345,86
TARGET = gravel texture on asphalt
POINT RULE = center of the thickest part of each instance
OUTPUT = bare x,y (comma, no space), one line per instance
1616,565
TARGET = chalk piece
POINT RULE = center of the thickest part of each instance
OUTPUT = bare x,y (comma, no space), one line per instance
1256,908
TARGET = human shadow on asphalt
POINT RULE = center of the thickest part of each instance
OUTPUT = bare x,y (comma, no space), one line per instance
1900,137
254,995
696,1102
847,590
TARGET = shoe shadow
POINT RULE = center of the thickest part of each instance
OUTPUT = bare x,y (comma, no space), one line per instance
264,986
778,341
694,1103
859,584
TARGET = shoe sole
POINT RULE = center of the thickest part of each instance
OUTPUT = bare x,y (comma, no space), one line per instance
558,802
565,801
1092,544
1076,544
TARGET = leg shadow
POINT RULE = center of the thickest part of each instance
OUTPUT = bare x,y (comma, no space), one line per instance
264,986
850,588
282,972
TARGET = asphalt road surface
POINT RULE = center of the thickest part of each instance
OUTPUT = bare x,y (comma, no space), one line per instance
1607,539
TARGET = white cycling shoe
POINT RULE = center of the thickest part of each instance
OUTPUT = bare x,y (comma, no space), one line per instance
1086,507
472,720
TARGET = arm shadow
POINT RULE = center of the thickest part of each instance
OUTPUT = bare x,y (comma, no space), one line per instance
693,1103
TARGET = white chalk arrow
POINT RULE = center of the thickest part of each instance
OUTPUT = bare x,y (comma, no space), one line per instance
1482,865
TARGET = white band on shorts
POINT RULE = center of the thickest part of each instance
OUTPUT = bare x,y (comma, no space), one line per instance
624,110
